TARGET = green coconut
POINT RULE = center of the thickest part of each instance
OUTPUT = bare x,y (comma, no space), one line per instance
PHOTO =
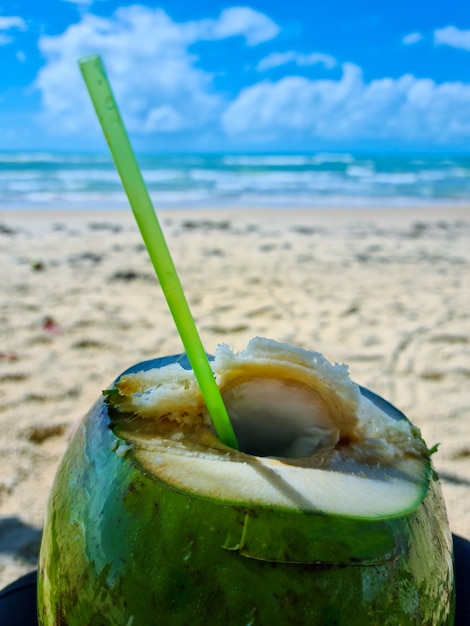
330,512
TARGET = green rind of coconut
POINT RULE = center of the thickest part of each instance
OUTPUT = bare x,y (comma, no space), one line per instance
121,547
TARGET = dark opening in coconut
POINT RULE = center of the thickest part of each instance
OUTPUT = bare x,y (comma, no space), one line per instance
279,417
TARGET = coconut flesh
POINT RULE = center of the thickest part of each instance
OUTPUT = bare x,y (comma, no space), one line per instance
308,438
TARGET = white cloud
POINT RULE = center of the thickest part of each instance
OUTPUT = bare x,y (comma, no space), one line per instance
7,23
405,109
146,56
155,78
161,87
12,21
412,38
254,26
276,59
452,36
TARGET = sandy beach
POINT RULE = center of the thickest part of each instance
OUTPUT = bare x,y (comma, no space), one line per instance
385,291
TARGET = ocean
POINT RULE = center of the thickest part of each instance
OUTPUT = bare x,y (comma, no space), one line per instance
67,180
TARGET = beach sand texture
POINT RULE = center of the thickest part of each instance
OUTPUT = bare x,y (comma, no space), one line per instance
385,291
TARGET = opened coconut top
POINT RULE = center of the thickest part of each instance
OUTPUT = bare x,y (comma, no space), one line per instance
282,400
291,410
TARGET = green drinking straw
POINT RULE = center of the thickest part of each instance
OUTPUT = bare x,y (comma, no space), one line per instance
126,164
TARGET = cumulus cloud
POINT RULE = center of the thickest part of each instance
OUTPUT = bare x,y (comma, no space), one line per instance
161,86
155,77
12,21
276,59
254,26
452,36
6,24
406,109
412,38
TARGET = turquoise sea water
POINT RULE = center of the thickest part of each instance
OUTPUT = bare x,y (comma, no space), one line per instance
52,180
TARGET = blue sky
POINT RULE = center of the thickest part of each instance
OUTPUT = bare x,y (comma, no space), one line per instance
221,76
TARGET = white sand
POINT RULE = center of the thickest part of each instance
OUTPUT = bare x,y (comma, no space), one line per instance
386,291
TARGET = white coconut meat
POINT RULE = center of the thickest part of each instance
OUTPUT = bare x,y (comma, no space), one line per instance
308,439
